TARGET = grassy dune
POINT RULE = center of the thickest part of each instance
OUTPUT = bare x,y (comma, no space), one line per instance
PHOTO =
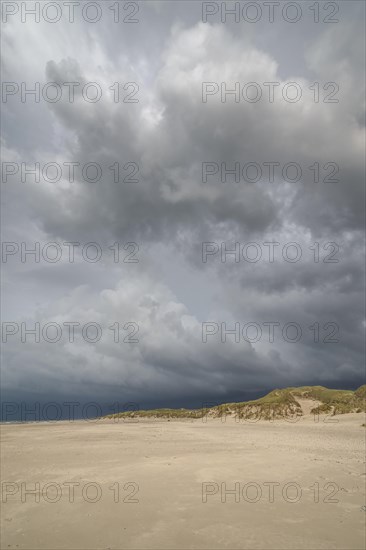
281,403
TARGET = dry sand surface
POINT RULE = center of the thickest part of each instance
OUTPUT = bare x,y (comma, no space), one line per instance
160,466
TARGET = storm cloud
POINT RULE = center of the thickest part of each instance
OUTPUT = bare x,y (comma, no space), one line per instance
193,216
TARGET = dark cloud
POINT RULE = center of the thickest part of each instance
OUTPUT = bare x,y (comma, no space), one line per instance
169,212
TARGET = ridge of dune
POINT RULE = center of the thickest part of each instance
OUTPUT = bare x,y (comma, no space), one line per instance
279,403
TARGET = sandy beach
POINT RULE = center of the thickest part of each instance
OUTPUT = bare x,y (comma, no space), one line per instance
184,484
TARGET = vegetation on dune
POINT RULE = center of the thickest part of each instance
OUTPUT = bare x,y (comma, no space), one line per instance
279,403
361,392
340,401
276,404
161,413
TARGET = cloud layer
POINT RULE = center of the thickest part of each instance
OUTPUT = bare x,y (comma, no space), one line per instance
169,211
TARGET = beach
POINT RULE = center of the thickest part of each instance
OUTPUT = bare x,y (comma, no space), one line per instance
184,484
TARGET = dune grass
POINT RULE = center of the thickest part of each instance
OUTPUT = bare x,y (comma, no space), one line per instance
279,403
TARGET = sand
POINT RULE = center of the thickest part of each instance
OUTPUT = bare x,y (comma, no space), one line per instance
170,477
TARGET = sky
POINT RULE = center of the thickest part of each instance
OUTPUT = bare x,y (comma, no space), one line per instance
209,172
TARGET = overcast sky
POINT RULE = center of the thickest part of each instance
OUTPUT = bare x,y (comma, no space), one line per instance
169,210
